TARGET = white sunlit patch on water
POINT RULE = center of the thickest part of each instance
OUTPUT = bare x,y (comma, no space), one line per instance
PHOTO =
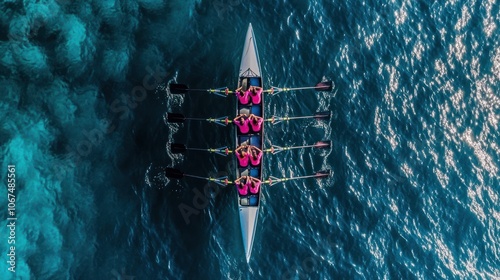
464,19
456,50
393,78
445,254
489,20
297,34
475,206
344,58
495,61
418,49
440,67
442,177
479,147
401,15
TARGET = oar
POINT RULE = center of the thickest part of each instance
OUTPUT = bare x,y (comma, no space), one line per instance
178,148
180,118
320,174
318,116
183,89
224,121
177,174
320,145
323,86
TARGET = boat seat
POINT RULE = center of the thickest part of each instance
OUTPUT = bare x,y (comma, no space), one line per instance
256,110
254,172
244,201
245,110
253,200
243,140
244,171
255,141
254,81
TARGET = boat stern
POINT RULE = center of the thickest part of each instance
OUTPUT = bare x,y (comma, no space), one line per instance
248,222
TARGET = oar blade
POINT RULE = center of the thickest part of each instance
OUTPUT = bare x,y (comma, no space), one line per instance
323,173
322,115
177,148
175,118
324,86
323,144
173,173
178,88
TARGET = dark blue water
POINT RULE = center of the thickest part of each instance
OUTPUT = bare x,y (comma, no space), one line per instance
415,133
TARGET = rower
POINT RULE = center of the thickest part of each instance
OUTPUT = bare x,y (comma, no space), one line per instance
243,96
256,94
254,185
242,185
242,155
256,122
242,122
255,155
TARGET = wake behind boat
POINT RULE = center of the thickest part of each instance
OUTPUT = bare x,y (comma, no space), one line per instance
249,203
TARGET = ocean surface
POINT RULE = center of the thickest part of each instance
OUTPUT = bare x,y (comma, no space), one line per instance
415,139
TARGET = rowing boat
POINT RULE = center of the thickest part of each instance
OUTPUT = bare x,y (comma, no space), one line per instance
249,75
248,205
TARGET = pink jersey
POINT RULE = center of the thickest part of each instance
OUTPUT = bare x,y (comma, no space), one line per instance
242,159
257,125
255,160
244,127
242,188
257,96
254,187
244,97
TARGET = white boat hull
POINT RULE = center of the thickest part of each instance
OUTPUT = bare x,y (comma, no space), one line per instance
248,206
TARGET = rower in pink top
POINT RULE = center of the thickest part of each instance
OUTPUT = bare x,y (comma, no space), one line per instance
256,122
242,122
255,155
242,155
254,185
242,185
256,94
243,96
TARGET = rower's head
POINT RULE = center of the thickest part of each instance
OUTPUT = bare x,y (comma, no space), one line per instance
243,149
254,153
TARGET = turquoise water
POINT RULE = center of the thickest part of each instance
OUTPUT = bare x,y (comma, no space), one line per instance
414,130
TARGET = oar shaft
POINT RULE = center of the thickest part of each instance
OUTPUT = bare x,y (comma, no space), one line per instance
300,147
196,119
297,118
223,181
197,149
300,88
301,177
197,177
